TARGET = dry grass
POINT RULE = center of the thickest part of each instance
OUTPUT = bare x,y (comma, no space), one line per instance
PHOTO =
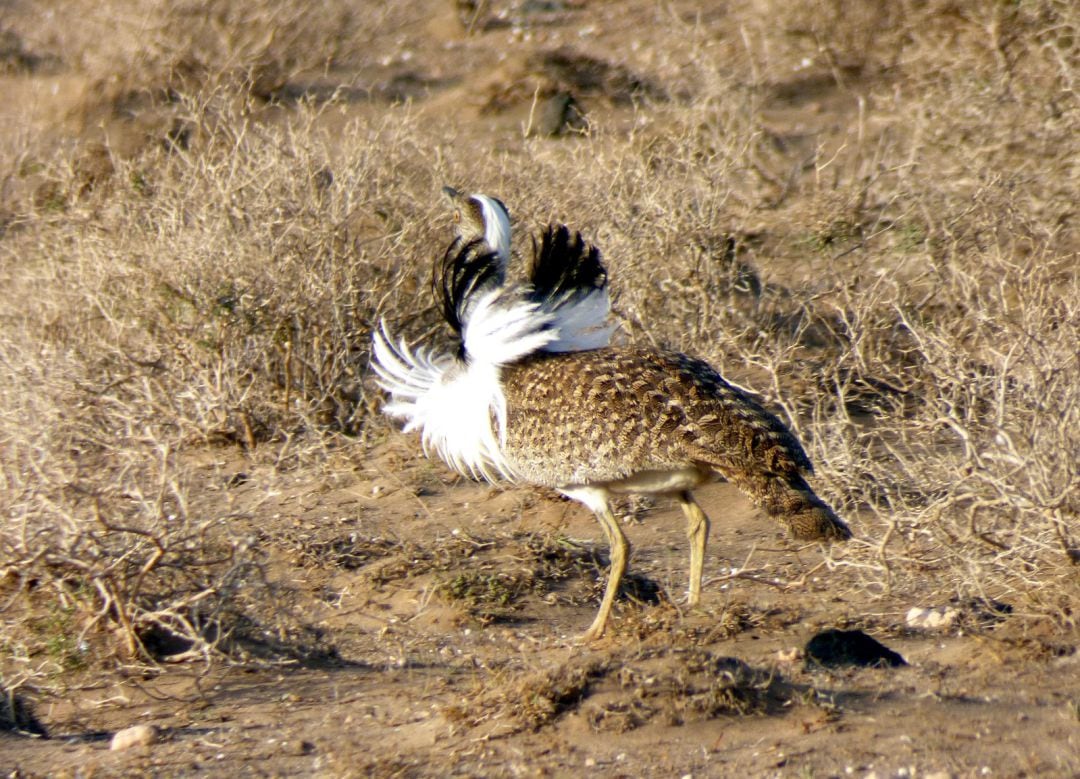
512,702
903,286
623,691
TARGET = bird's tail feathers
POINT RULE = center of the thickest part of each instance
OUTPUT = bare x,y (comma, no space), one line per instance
788,498
565,264
468,271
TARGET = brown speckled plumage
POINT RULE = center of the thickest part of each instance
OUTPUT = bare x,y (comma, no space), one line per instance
600,416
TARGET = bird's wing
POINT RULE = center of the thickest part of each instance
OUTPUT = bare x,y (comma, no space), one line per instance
568,280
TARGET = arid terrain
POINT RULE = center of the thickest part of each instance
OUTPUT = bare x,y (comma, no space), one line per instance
863,212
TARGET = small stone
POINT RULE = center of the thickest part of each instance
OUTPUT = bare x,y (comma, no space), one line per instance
915,616
297,748
791,655
937,618
135,736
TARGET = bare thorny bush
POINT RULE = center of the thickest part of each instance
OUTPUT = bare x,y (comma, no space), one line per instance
970,460
222,296
221,292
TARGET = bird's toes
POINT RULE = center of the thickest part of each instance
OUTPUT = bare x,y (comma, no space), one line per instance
590,636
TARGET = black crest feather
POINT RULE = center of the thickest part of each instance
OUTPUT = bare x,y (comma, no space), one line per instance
564,266
465,270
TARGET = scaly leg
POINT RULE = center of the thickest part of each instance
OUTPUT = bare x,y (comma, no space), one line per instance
698,532
619,553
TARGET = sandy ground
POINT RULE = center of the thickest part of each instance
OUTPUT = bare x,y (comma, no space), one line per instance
439,666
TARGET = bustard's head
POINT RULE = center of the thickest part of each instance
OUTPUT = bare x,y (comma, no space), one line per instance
481,217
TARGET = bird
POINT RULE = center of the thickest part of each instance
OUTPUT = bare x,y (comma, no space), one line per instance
590,423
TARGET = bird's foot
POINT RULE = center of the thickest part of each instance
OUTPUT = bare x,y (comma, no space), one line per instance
593,634
798,584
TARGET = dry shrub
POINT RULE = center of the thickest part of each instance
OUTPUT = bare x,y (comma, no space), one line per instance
928,359
137,52
221,295
971,459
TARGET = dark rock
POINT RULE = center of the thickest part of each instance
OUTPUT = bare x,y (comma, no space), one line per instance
16,715
834,648
560,113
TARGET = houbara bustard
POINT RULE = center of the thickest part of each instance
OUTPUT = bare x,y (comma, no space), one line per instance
588,422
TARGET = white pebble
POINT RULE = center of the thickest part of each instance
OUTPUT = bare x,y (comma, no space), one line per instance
135,736
936,618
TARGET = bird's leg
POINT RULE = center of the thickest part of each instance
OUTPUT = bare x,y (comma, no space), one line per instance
619,553
698,532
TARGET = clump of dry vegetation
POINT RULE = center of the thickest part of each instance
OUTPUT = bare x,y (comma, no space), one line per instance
529,700
678,686
624,691
902,284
